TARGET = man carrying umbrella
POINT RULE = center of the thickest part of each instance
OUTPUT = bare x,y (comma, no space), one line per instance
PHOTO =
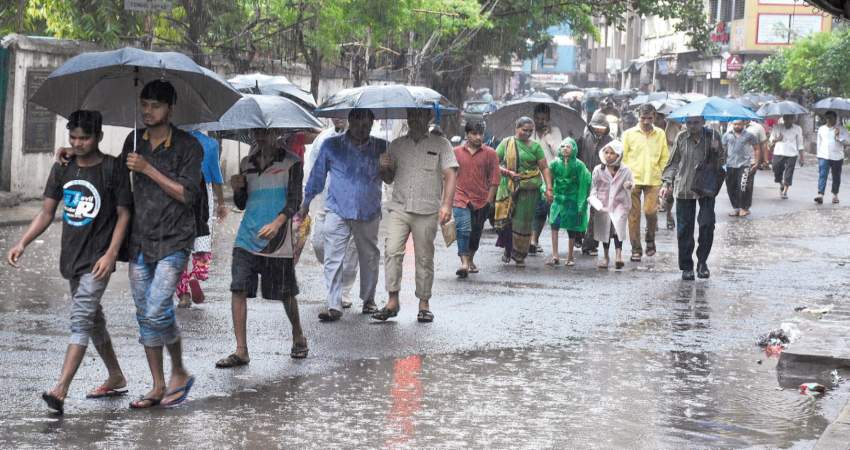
645,153
832,138
353,207
422,169
787,142
166,185
692,147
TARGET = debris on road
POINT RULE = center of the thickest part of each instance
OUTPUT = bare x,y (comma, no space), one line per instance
816,312
812,389
836,378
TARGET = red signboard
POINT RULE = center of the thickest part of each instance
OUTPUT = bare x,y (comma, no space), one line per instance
734,63
720,34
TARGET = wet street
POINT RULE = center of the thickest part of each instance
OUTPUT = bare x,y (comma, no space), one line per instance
532,357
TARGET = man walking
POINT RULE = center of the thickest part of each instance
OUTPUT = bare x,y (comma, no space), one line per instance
353,208
787,142
692,147
422,169
549,138
318,214
831,141
478,178
645,152
167,183
741,163
595,138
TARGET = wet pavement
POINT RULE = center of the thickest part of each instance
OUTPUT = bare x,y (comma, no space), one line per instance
530,357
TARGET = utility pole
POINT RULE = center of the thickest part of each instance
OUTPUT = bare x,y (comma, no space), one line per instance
22,7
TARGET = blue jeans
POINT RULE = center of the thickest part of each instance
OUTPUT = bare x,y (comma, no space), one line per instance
825,166
469,223
153,286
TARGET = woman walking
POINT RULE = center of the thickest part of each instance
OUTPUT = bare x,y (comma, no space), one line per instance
522,162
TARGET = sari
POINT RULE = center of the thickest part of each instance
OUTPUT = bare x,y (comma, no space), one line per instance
516,200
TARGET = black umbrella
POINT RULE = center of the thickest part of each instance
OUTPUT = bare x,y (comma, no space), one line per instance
110,82
258,83
783,108
385,101
501,123
837,104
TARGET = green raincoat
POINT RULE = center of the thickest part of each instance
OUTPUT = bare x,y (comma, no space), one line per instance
571,187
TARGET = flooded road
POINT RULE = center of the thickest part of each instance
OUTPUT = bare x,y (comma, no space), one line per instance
530,357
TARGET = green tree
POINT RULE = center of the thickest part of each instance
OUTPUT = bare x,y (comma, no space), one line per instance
764,76
819,64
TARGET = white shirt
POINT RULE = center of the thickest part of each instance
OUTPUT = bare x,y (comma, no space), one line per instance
787,141
828,146
549,141
757,130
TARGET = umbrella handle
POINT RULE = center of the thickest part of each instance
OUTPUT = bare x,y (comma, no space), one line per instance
438,112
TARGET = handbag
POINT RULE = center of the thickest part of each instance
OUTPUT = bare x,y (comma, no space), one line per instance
709,176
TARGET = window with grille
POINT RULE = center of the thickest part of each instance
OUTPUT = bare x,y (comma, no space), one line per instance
712,11
740,9
725,10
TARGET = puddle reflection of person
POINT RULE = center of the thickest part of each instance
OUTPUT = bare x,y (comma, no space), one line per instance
406,395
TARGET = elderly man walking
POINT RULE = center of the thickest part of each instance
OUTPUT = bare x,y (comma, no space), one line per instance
353,207
692,147
742,157
422,168
645,152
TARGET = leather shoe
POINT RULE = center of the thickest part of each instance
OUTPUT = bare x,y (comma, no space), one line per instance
702,270
688,275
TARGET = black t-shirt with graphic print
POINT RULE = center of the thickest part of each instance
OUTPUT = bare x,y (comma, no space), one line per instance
90,201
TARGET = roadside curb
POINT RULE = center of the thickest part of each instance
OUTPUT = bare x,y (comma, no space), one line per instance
823,348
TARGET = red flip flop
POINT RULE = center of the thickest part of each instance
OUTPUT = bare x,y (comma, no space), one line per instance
197,293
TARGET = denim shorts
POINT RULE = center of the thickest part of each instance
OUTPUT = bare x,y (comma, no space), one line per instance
153,285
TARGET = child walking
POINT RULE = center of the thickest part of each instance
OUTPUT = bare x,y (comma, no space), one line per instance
610,196
571,183
95,190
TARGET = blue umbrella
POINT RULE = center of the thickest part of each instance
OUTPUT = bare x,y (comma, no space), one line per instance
386,102
714,108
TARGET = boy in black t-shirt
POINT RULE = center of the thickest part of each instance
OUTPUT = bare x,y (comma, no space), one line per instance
95,191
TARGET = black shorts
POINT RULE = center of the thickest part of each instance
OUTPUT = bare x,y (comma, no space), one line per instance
277,275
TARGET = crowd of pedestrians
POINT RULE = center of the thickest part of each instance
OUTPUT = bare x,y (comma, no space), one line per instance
594,186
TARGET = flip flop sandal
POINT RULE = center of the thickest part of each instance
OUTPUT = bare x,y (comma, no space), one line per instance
232,360
136,404
369,308
331,315
384,314
299,351
197,293
473,269
346,304
462,273
619,264
650,250
553,262
425,316
54,402
106,391
602,265
184,393
835,201
570,263
636,257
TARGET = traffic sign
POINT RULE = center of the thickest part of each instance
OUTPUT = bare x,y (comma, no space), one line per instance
148,5
734,63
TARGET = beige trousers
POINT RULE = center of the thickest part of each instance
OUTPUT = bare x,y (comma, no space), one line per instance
423,227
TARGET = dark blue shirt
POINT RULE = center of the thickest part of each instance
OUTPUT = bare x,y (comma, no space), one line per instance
355,190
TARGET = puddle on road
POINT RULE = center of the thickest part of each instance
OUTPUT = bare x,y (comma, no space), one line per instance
603,395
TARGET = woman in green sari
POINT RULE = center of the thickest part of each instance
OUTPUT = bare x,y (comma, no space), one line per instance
522,163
